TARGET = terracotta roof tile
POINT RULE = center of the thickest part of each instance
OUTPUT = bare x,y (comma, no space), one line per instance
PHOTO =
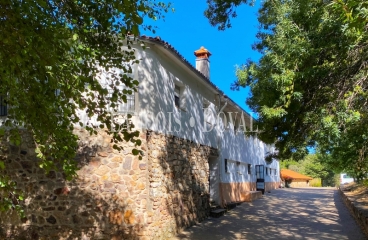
288,174
167,45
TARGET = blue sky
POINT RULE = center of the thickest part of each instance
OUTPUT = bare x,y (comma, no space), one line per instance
187,30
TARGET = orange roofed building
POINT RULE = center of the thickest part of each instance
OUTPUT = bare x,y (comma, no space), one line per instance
294,179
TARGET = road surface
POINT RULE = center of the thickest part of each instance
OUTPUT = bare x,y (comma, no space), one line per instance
297,213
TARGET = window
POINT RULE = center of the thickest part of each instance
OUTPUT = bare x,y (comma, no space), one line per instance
240,168
129,106
260,171
267,173
226,168
249,169
208,116
177,96
205,105
3,106
206,110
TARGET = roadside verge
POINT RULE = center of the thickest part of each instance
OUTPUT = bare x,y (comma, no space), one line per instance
355,198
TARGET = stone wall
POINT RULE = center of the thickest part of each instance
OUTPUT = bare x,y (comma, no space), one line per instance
299,183
107,199
356,208
179,183
116,196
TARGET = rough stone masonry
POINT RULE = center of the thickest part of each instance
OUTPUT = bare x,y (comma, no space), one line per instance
116,195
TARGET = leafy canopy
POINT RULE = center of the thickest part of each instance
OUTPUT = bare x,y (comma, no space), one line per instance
52,54
220,12
310,85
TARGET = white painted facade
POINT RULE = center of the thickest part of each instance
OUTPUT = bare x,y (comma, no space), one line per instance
161,70
242,151
158,73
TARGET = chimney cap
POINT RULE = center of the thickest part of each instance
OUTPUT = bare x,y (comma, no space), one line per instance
202,53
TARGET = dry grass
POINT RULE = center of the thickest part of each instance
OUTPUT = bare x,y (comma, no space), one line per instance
356,191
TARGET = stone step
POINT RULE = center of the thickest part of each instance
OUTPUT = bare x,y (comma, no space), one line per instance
217,212
251,195
231,205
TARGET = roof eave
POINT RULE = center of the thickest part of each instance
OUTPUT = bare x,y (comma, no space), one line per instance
204,79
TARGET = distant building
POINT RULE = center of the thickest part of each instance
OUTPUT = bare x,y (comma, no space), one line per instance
294,179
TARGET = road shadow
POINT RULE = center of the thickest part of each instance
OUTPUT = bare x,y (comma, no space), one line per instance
303,213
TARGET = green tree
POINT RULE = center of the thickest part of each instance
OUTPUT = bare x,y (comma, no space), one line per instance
293,81
291,164
349,152
220,12
313,165
52,54
309,87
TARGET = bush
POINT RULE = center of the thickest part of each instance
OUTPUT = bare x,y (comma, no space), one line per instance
316,182
365,182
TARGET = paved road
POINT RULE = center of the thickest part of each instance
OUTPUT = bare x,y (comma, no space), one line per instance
303,213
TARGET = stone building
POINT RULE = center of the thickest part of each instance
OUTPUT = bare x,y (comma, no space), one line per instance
294,179
192,156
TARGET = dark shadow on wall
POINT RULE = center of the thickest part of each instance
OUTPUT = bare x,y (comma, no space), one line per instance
97,205
178,168
179,182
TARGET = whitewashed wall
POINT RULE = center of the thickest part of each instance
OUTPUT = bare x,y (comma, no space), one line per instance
158,75
158,72
245,150
157,111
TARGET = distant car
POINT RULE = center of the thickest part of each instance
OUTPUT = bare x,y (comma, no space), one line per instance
345,178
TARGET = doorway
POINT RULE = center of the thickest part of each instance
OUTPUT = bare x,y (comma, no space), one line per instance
214,180
260,178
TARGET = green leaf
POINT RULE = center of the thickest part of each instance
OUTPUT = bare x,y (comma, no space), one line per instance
2,165
135,30
49,73
135,152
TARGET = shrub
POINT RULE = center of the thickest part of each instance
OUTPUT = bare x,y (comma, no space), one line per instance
316,182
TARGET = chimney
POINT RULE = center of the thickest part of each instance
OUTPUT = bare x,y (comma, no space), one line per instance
203,62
